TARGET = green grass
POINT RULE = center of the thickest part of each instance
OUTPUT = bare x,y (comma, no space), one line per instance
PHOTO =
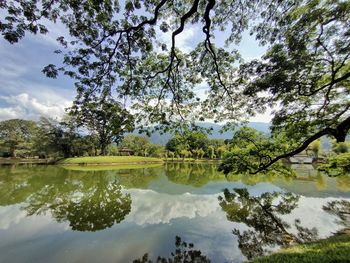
333,249
88,168
115,160
190,160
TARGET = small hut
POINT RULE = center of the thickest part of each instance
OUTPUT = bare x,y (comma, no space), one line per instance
125,151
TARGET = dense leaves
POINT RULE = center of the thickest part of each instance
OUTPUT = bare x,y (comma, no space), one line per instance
105,118
16,137
130,50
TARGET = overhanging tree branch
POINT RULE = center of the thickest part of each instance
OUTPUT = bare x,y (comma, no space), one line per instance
339,133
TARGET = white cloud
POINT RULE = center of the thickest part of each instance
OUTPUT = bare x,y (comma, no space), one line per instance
28,107
262,117
185,41
11,70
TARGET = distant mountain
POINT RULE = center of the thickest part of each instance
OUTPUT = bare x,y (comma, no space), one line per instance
158,138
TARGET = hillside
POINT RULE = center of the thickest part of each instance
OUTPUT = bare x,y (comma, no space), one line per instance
215,134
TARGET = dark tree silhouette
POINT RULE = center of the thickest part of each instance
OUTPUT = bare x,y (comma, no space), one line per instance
262,215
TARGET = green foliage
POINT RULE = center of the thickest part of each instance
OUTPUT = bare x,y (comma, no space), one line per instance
138,144
191,143
337,165
16,137
141,146
333,249
304,73
315,147
250,150
104,117
340,147
62,139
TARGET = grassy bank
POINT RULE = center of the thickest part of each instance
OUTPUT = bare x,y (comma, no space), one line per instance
106,167
191,160
332,249
109,160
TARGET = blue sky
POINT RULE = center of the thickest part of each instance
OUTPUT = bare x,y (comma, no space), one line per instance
26,93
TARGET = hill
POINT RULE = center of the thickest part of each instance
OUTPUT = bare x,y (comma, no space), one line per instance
158,138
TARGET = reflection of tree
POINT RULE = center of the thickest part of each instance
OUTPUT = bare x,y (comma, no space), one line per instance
262,215
86,207
88,201
184,253
340,208
343,182
138,178
195,174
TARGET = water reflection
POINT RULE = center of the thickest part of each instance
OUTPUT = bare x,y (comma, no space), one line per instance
262,214
184,253
88,203
149,206
341,209
195,174
86,208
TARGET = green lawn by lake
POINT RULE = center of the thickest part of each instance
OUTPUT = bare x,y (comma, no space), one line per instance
333,249
101,160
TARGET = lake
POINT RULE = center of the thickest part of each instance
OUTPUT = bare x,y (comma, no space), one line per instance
106,214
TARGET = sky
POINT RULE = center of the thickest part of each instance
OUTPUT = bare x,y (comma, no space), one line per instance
26,93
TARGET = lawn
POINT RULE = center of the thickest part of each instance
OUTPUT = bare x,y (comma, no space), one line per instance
333,249
107,167
115,160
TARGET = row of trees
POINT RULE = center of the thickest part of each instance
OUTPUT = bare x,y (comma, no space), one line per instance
45,138
50,138
113,47
70,137
75,136
195,144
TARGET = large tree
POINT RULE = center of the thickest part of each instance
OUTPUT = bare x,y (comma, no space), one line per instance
16,136
106,118
131,48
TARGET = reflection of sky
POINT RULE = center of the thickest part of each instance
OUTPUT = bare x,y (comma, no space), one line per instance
162,208
155,220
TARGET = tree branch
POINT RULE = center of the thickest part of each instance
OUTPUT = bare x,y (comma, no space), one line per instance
339,133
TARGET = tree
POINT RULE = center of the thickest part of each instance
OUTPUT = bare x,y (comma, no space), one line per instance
17,136
138,144
211,152
251,151
315,147
104,117
305,70
61,139
155,150
340,147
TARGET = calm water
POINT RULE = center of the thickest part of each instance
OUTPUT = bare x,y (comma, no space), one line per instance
56,214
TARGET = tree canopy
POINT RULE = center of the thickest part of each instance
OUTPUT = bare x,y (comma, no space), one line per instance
130,47
106,118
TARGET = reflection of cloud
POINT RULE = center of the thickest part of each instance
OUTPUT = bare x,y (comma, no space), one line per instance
159,208
10,215
28,107
311,214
